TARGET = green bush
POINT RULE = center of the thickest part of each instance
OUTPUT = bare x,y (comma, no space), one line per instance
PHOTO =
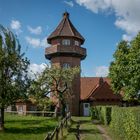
108,115
126,122
102,113
123,121
93,113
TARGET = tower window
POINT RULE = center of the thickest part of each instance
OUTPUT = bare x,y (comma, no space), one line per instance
66,42
76,43
66,65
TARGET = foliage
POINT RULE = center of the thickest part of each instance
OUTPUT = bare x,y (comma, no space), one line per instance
123,121
102,113
55,81
126,122
93,113
124,70
13,71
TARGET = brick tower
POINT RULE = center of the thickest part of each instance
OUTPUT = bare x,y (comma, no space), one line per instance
66,51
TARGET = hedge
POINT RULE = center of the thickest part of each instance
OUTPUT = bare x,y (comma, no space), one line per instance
123,121
102,113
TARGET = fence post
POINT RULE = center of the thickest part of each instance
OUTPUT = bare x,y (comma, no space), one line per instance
57,133
48,137
61,129
78,131
66,121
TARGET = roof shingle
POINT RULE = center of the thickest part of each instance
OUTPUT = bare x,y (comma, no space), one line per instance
91,87
65,29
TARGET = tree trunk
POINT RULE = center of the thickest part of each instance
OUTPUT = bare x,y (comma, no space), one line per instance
56,112
63,112
2,119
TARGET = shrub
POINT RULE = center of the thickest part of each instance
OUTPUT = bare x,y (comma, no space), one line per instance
94,113
102,113
126,122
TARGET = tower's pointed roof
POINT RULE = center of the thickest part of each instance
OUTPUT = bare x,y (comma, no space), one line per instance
65,29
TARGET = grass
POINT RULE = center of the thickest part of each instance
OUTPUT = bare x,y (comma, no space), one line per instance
27,127
35,128
88,130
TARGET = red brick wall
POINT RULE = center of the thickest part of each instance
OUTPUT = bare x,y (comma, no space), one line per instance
73,61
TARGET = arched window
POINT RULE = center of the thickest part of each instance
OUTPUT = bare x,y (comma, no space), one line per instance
66,65
66,42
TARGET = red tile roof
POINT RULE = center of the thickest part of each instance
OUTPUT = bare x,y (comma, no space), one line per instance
65,29
91,87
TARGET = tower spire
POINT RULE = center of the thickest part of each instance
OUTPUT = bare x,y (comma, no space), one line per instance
65,29
66,14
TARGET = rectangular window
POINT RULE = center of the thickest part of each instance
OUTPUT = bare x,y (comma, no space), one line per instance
66,65
76,43
66,42
86,105
20,108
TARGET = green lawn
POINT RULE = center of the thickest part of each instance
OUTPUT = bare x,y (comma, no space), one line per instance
35,128
26,127
88,130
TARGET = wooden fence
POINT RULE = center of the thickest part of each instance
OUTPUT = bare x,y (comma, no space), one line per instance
58,131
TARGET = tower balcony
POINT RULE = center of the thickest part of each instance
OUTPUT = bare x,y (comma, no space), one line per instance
59,50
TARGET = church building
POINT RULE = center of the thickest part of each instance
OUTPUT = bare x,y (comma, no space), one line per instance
66,50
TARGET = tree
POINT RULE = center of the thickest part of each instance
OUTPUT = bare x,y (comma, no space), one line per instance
133,87
124,70
119,67
57,82
13,71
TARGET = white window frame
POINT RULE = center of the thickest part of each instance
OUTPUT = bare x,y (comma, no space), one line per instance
20,108
66,42
66,65
76,43
86,109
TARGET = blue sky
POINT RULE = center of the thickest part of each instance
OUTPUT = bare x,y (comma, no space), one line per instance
103,23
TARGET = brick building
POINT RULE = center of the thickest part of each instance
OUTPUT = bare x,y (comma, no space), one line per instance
66,51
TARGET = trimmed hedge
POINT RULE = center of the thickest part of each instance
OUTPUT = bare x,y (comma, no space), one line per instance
102,113
126,122
123,121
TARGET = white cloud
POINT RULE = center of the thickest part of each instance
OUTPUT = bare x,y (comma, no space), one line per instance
95,5
101,71
69,3
127,37
44,43
126,12
36,42
16,25
37,30
35,69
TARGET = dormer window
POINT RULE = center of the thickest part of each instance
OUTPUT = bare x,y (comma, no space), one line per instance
76,43
66,65
66,42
